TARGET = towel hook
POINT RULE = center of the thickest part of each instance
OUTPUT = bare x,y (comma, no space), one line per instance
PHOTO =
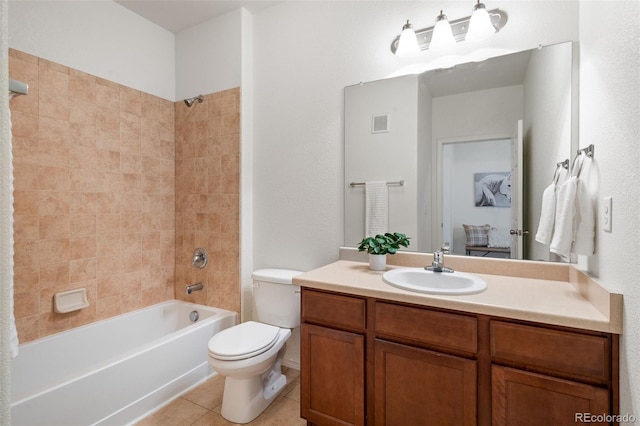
588,151
559,166
564,164
584,152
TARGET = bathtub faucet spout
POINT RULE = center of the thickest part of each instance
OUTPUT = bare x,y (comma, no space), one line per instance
194,287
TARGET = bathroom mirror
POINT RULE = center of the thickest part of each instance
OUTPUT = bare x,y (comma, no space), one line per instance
435,136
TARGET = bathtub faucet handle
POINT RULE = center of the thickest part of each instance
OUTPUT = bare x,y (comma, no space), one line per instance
194,287
200,258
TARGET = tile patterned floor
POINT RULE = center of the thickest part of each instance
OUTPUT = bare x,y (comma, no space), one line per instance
201,406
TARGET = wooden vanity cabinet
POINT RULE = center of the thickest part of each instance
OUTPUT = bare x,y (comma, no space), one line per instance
524,398
378,362
332,359
546,375
419,363
415,386
425,371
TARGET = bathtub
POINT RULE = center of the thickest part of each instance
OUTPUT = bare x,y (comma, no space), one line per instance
115,371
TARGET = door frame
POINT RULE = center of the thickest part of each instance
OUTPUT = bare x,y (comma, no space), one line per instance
437,198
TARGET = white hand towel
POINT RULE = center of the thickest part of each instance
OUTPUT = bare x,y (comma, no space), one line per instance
547,215
564,220
585,221
548,211
376,208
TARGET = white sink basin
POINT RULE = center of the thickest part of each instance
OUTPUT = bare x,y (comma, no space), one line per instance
423,281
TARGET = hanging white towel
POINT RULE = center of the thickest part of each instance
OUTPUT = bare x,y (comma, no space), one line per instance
548,210
575,215
547,215
564,232
376,208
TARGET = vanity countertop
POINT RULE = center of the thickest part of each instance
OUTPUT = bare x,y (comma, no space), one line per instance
578,302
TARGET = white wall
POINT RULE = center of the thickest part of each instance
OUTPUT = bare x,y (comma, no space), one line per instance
547,131
107,40
481,113
609,119
389,156
425,151
246,165
209,55
98,37
306,53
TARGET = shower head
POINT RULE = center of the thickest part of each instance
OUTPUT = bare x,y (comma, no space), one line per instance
191,101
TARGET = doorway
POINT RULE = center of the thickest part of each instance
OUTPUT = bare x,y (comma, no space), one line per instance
467,166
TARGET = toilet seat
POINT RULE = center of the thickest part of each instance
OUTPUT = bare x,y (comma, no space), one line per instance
243,341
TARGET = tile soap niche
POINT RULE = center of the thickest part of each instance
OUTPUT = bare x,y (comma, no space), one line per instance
69,301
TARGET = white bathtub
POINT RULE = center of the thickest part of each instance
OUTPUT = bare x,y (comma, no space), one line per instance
115,371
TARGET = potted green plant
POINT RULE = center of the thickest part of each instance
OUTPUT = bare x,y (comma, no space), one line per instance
379,246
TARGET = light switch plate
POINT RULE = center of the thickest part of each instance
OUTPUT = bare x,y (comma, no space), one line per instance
607,205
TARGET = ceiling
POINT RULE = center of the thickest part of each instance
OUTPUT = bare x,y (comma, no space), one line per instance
177,15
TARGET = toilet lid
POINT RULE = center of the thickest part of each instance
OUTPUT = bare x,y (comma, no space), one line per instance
243,341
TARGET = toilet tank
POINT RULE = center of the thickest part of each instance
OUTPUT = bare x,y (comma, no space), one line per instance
276,300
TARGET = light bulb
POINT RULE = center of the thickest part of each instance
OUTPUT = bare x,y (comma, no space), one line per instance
408,43
480,26
442,36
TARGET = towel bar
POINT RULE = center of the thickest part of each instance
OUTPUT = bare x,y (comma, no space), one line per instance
398,183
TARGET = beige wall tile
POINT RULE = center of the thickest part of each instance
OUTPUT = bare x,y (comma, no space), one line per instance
53,203
26,279
79,196
82,225
53,178
99,203
82,269
82,248
83,134
54,274
26,228
26,304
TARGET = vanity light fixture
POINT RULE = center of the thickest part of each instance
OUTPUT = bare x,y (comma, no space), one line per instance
442,35
408,43
461,29
480,26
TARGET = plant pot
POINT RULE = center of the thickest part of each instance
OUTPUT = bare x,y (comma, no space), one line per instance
377,262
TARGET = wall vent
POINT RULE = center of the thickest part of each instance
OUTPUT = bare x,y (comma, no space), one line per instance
380,123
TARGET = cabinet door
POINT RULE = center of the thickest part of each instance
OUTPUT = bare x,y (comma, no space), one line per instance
520,398
332,377
419,387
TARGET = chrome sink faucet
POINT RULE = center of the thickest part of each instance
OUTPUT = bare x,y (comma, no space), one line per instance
438,263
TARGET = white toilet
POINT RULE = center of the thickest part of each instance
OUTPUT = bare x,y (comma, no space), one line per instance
249,354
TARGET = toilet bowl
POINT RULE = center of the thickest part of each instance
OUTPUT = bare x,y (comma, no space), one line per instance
249,355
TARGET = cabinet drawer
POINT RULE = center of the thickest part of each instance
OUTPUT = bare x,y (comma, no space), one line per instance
334,310
563,353
442,329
